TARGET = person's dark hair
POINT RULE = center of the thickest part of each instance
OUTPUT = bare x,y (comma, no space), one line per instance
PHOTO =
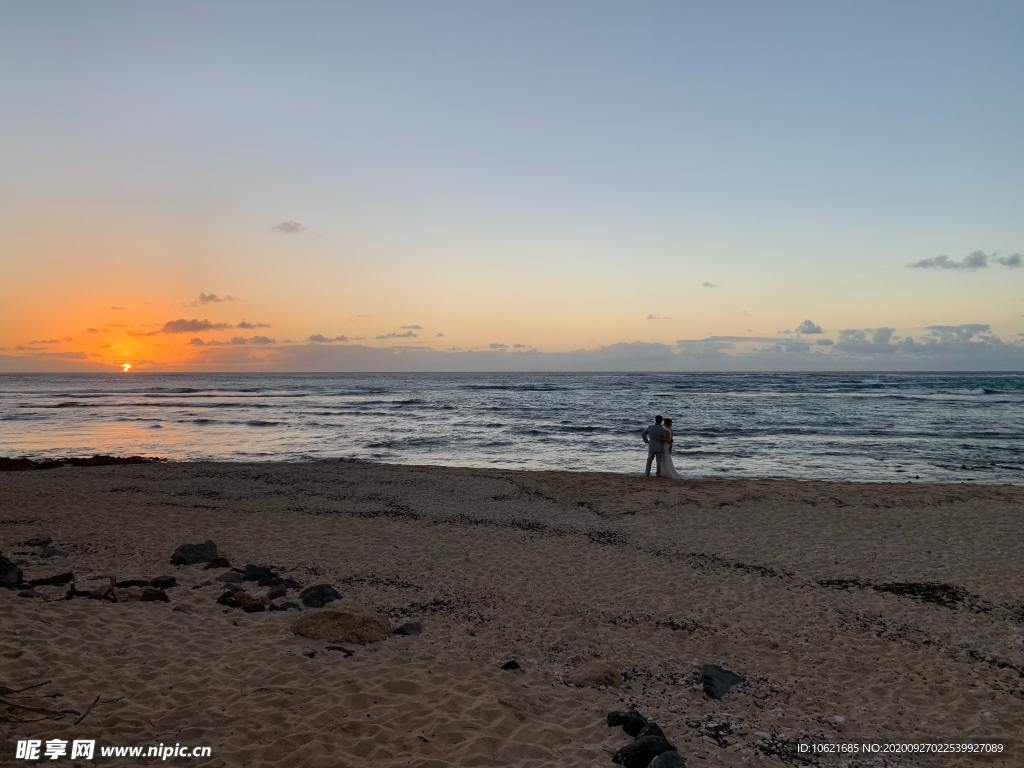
668,422
657,419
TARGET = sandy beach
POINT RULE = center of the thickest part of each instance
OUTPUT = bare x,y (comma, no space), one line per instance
852,612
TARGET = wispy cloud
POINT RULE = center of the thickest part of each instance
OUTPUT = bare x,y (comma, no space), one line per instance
181,325
706,284
411,327
972,262
659,317
403,335
212,298
235,341
250,326
289,227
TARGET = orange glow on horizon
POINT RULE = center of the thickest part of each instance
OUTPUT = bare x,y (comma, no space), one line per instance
125,367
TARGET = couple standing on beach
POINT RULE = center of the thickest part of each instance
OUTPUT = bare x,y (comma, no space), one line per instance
658,437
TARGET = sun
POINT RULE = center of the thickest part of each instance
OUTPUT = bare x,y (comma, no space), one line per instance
125,367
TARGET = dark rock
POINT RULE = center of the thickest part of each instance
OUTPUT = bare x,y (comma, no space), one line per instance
182,609
231,577
651,729
190,554
277,581
10,574
632,722
218,562
258,572
254,607
15,465
28,593
276,593
319,595
53,581
409,629
52,551
717,681
228,598
346,651
108,461
38,541
641,752
286,605
511,664
670,759
164,582
128,583
152,595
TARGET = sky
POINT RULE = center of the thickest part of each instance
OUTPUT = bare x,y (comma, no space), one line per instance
437,185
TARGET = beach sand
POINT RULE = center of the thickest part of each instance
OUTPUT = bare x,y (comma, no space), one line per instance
853,611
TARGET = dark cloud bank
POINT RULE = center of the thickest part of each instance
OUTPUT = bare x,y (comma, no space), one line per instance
970,346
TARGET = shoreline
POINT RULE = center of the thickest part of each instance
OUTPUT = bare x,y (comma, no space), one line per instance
55,462
890,611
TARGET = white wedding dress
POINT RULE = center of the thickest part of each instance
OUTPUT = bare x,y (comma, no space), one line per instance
668,469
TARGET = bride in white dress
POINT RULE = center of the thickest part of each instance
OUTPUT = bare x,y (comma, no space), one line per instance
668,469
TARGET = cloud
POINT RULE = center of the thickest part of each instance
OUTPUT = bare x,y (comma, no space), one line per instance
497,345
318,338
289,227
824,342
439,334
808,327
404,335
659,317
706,284
729,339
45,341
972,262
249,326
92,330
234,341
212,298
411,327
119,309
181,325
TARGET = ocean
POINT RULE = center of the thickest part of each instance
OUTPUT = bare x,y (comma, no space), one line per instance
842,426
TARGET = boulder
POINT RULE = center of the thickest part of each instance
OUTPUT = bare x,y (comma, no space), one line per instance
38,541
597,673
640,753
258,572
717,681
511,664
152,594
231,577
342,627
319,595
10,574
190,554
164,582
632,722
15,465
285,605
217,562
409,629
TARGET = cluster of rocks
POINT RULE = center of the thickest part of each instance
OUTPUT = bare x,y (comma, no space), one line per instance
333,626
10,464
649,747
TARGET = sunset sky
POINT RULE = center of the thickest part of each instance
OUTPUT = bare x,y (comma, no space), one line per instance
502,186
